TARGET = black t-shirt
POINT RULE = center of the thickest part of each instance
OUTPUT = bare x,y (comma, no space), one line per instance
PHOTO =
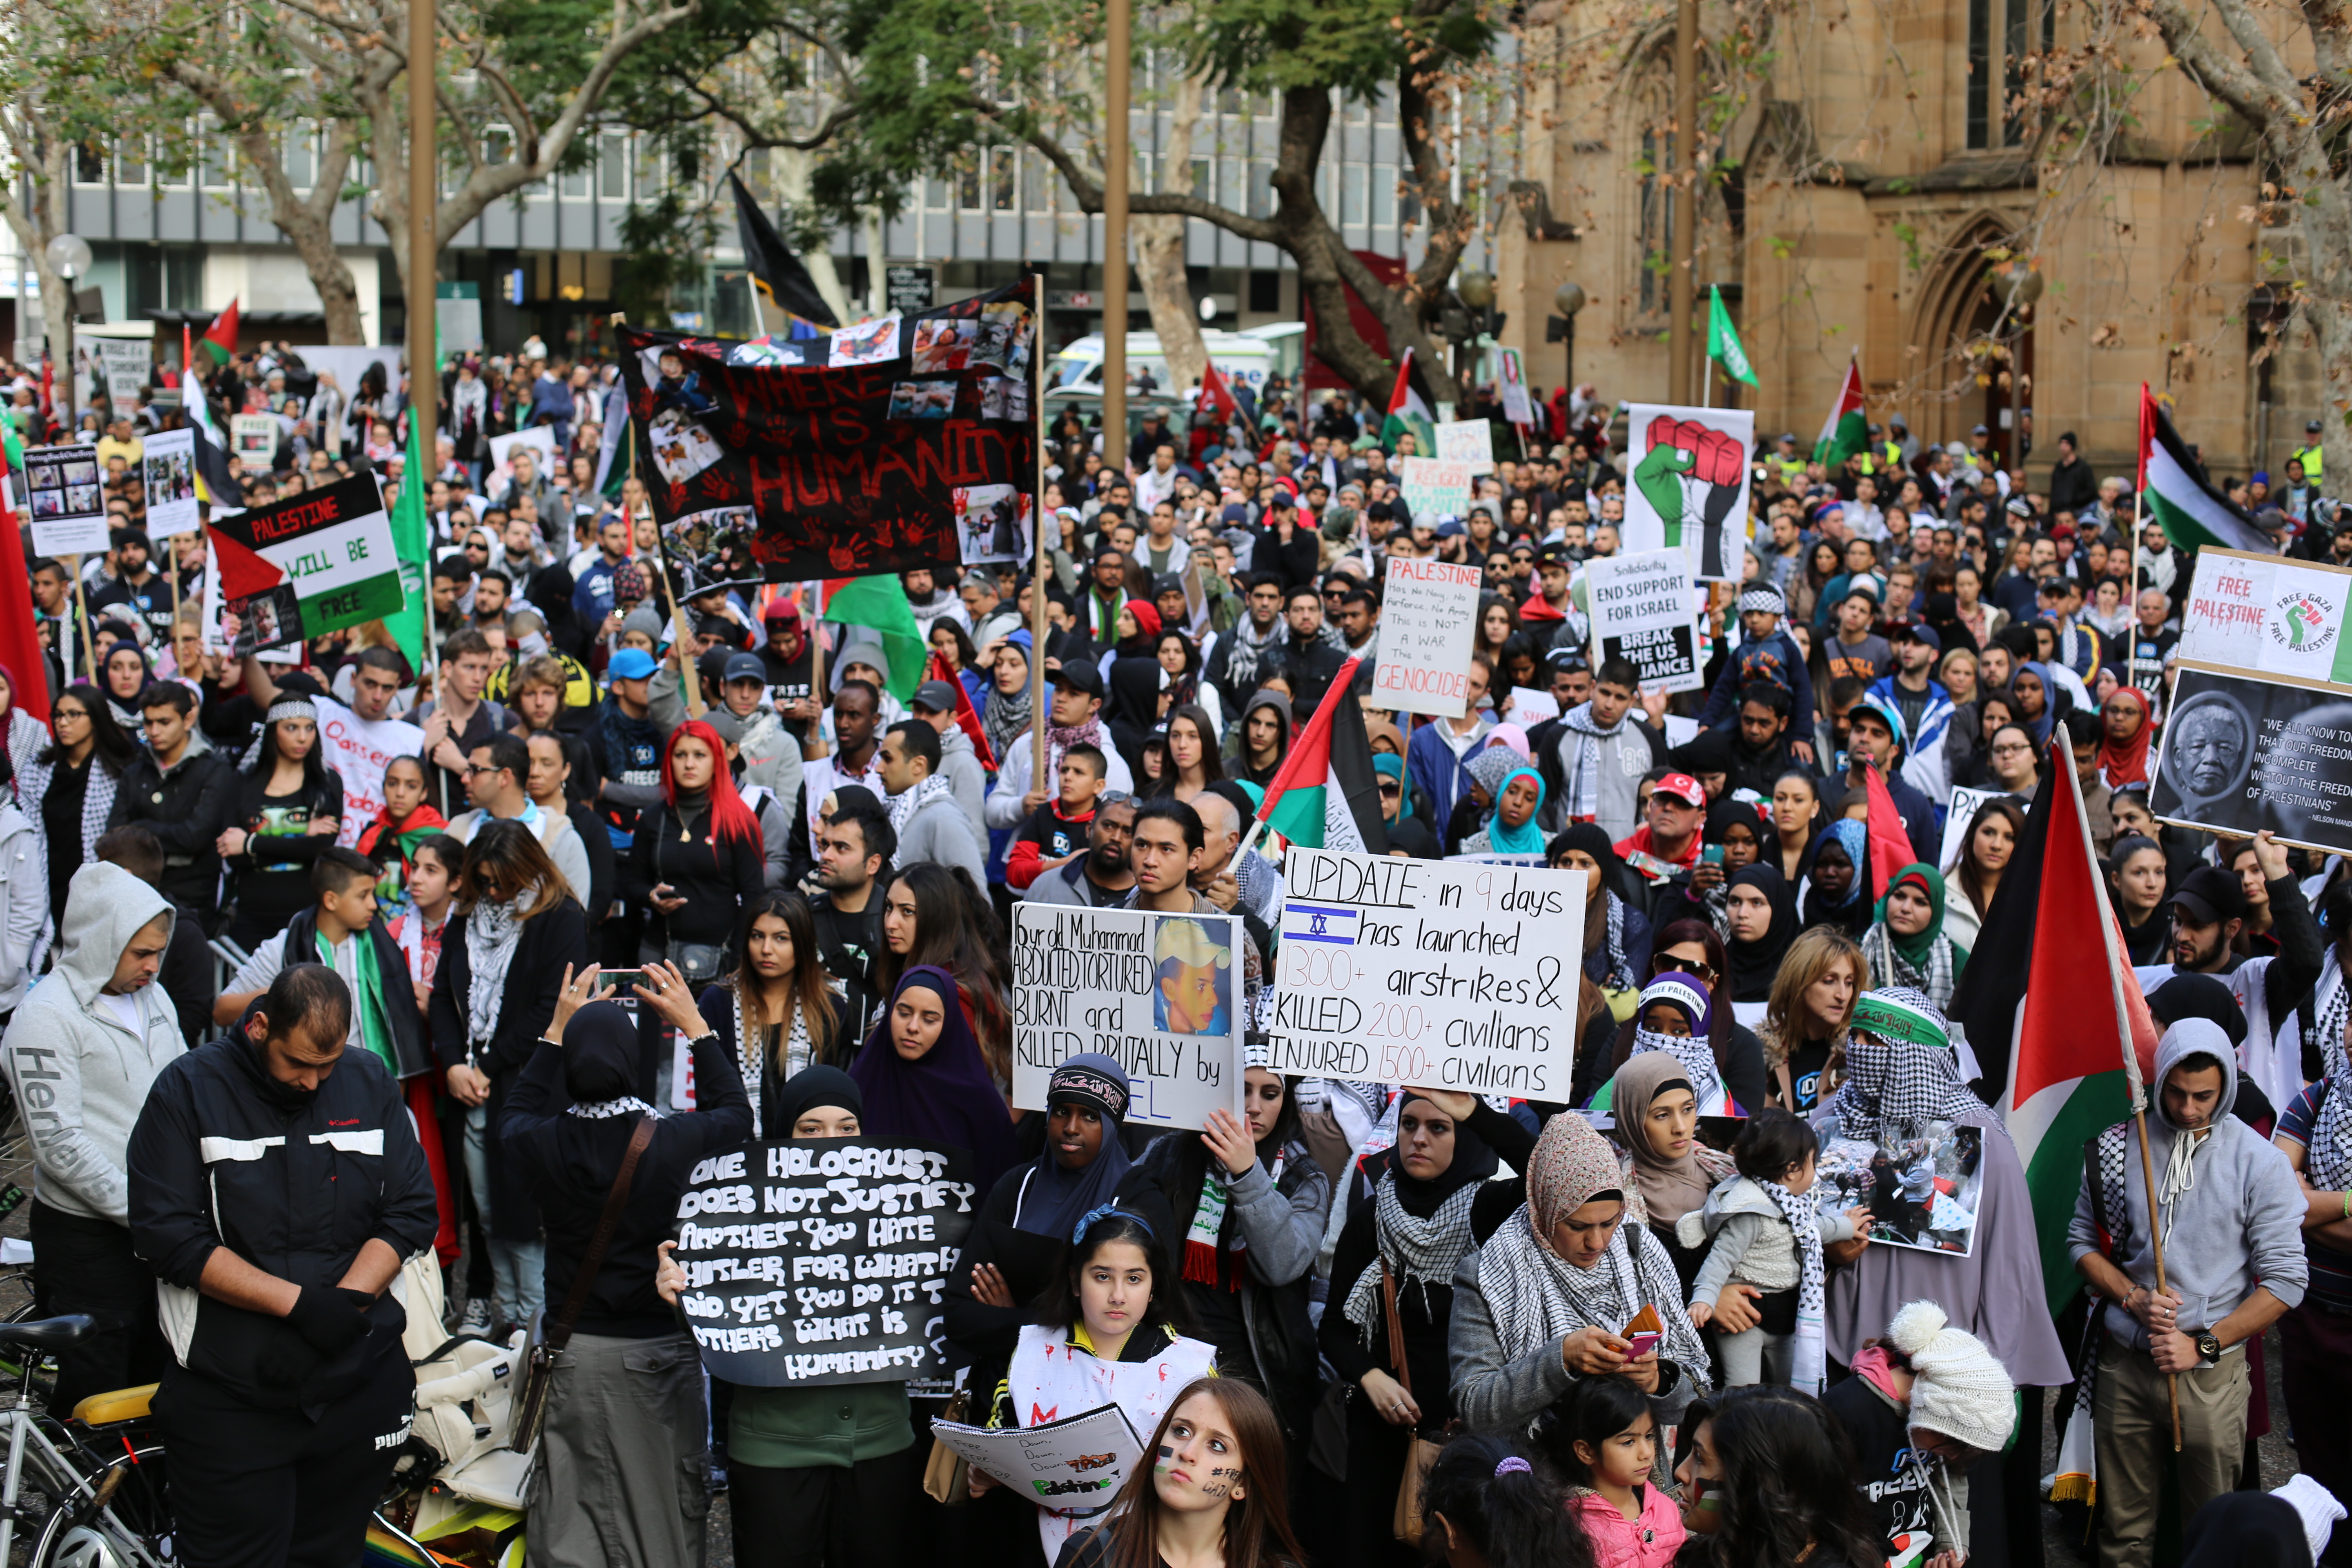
1805,1065
2143,662
849,945
1892,1487
790,679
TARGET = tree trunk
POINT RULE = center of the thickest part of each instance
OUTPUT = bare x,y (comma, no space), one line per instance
791,167
1159,252
877,283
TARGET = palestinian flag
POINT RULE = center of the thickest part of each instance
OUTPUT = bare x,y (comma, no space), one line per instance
2194,513
1845,431
219,341
20,638
1890,843
312,563
880,604
412,545
1217,398
2053,1011
1408,410
1326,795
213,485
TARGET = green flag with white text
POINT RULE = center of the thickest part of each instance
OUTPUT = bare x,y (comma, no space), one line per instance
1723,340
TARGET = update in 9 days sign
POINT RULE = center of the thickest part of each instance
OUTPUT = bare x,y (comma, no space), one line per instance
1426,973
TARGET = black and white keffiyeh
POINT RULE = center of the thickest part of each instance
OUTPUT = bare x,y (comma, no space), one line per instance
1933,980
1900,1075
1621,975
904,805
627,1105
1802,1212
2329,1161
1695,1055
1583,791
1762,598
493,931
1537,1298
1416,1251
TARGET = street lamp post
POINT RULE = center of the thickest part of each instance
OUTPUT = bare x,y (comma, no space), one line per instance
69,255
1568,299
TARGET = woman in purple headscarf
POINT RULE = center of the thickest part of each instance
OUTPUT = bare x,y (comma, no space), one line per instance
923,1076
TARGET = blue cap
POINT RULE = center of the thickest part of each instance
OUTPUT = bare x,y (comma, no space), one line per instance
631,664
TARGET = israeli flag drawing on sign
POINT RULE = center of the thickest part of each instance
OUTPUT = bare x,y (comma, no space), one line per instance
1334,923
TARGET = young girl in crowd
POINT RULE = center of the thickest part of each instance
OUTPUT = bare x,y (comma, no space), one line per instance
1766,1235
1486,1505
1217,1492
1602,1438
406,818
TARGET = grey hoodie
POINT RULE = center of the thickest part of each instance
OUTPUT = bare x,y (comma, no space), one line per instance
80,1075
937,832
2238,1224
960,766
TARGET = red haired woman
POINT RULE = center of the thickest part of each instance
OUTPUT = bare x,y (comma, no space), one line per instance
697,859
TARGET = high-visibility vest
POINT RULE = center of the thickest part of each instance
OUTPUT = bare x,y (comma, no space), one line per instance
2311,458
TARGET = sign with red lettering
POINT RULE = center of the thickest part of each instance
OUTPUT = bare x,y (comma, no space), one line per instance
850,467
1426,619
308,565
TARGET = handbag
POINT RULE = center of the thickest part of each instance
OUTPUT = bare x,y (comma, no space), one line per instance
539,1376
1405,1523
700,962
947,1476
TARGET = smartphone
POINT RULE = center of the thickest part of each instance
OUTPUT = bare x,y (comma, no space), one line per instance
1639,1345
623,980
1712,855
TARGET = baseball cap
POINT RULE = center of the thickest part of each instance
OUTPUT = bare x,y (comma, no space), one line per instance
1281,497
1568,661
936,695
2209,895
1450,527
1080,675
781,613
2311,428
1884,712
631,664
744,666
1683,788
1982,430
1908,631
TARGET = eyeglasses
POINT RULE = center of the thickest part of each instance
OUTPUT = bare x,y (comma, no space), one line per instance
1667,963
2013,749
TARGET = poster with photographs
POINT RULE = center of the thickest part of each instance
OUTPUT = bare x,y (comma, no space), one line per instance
167,467
539,440
923,399
1002,397
682,446
2240,755
1689,486
868,343
1922,1193
63,499
861,465
992,523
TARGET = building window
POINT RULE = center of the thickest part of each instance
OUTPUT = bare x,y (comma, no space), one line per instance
1204,177
213,161
968,187
1979,72
1261,189
1355,197
498,146
613,167
301,157
1384,196
1004,189
89,164
1037,177
1657,217
131,163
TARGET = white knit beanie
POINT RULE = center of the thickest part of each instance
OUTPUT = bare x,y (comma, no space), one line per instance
2316,1506
1959,1390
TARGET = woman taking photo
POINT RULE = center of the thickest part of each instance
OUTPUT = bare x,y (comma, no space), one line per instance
1217,1497
1796,823
1805,1019
923,1076
1108,1332
289,808
1906,945
2136,872
1838,897
1392,1289
1026,1220
1737,828
697,859
512,934
1544,1300
1993,835
67,790
1192,760
931,914
817,1466
1769,1483
1249,1204
772,1012
627,1416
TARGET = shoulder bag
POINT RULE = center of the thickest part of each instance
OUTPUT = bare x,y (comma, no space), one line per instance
1421,1457
530,1410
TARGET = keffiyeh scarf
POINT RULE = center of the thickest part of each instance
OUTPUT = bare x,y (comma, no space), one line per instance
904,805
1537,1298
493,931
627,1105
1005,719
1621,975
1803,1216
1245,647
1583,791
1415,1251
1697,1059
1933,978
1896,1085
2329,1160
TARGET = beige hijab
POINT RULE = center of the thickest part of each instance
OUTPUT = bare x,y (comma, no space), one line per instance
1663,1190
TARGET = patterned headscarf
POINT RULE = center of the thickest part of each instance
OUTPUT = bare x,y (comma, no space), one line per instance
1900,1071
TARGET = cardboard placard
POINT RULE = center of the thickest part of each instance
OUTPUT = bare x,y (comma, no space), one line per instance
1426,617
1161,994
1441,975
1688,485
1075,1465
167,466
822,1260
1470,441
300,568
1431,488
2240,755
1645,610
64,500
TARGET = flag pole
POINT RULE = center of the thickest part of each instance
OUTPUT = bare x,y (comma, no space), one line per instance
2155,1235
1038,717
816,746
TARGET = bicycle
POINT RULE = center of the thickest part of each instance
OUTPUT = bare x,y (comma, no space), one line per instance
83,1504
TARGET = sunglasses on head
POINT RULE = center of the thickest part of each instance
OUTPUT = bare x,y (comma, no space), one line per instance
1667,963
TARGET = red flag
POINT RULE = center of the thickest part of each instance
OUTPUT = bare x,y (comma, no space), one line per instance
967,716
20,640
220,339
1217,397
1890,846
49,394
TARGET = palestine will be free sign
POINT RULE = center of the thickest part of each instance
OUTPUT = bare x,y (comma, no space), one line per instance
308,565
821,1260
854,454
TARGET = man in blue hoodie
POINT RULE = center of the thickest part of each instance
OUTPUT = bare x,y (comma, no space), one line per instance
1874,729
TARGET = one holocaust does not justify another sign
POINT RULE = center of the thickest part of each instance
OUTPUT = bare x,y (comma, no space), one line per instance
1429,973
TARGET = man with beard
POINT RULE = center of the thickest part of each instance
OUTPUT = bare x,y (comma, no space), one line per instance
1759,746
1309,658
1246,655
1102,877
855,843
855,758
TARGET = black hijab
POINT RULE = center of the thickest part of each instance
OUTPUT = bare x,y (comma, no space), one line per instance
810,1088
1132,711
1474,1161
2246,1529
1754,963
600,1054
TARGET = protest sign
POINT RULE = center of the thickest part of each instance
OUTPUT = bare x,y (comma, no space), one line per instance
1958,817
1432,973
168,464
1922,1193
126,363
1645,610
63,501
1427,618
1075,1465
1689,490
312,563
359,750
538,441
1431,488
2266,615
852,466
1511,376
822,1260
254,438
1161,994
1470,441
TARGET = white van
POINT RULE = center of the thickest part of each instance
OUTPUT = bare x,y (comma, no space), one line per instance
1241,359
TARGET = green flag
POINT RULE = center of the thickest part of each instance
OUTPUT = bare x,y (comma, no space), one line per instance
411,537
879,605
1723,340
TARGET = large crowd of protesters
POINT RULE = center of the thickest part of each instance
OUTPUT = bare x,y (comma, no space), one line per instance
322,887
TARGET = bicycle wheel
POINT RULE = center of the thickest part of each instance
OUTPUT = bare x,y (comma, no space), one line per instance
133,1529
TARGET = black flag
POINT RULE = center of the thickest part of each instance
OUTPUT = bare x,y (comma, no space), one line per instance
774,267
